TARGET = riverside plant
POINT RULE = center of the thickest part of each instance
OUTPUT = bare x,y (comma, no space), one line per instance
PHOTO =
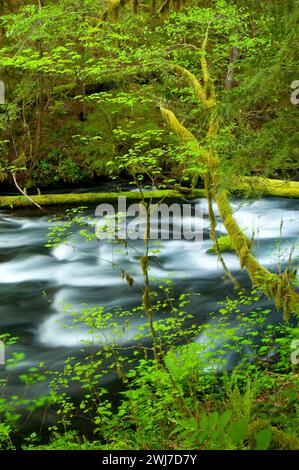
178,390
180,396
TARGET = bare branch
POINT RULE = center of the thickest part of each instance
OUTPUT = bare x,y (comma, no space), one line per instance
24,194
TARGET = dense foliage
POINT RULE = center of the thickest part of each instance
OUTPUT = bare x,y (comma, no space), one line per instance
80,86
187,401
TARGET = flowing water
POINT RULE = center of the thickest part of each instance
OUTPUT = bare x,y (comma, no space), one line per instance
36,282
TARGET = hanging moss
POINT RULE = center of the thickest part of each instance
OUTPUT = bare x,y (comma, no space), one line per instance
164,9
135,5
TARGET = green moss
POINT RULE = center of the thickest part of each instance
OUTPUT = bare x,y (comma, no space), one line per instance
280,439
184,134
224,245
92,198
267,187
274,285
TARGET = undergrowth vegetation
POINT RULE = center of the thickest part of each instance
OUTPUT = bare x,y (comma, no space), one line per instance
232,385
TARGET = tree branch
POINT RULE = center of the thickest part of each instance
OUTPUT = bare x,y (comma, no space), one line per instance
23,193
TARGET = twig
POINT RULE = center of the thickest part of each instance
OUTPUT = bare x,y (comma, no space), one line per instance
24,194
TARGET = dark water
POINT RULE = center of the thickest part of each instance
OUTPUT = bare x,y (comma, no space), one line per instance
37,282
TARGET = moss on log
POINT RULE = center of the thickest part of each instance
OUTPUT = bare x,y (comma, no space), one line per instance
263,186
93,198
266,187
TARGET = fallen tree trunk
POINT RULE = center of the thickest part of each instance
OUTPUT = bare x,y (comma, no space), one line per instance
14,202
254,186
267,187
261,186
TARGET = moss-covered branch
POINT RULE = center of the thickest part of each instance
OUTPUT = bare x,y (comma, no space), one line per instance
185,135
112,11
192,81
276,286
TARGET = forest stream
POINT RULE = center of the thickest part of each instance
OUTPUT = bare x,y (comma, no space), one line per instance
149,240
37,283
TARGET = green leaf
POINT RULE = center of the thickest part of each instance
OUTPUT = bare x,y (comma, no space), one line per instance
263,439
238,431
224,419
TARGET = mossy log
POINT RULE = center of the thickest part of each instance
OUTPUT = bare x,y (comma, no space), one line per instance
265,187
14,202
